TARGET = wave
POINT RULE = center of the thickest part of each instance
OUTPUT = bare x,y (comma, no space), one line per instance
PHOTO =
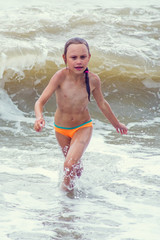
124,41
36,64
124,44
9,110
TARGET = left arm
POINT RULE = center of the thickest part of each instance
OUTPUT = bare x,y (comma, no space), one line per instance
105,107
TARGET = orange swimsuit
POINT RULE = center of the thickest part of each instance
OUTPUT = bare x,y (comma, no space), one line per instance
69,132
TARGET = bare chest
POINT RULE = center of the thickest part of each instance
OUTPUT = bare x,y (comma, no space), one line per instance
73,92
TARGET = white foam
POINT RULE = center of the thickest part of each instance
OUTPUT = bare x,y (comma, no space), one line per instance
21,58
52,175
149,83
8,110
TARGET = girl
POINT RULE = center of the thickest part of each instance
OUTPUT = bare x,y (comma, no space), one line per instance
73,125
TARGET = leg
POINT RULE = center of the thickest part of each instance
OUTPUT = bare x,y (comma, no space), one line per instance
64,142
78,145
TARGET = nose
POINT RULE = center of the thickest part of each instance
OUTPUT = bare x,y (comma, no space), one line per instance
79,61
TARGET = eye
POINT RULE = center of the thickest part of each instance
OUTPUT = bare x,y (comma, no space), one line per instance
74,57
83,56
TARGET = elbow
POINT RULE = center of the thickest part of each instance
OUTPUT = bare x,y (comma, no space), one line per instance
103,106
38,104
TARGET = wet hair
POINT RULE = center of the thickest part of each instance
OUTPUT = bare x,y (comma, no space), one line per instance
80,41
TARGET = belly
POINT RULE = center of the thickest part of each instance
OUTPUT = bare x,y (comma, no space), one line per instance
71,119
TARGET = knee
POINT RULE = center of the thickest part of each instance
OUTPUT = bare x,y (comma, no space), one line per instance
69,164
69,169
73,168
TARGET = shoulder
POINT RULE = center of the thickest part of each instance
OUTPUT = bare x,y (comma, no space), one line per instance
61,74
95,81
59,77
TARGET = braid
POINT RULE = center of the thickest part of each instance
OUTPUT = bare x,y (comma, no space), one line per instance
87,82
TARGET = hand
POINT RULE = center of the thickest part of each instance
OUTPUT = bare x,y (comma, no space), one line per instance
121,128
39,124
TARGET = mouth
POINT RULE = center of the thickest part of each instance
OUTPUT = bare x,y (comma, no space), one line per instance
79,68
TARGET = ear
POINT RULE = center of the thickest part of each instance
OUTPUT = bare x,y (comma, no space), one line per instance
64,58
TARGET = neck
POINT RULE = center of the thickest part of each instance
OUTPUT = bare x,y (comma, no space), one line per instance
76,77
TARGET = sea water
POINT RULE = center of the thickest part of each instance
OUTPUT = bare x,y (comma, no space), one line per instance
117,196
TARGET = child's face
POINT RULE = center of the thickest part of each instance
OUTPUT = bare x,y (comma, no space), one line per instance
77,58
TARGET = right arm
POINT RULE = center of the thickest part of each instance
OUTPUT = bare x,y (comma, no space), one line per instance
46,94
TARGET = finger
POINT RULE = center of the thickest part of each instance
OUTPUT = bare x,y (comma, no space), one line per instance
37,126
125,131
43,123
117,130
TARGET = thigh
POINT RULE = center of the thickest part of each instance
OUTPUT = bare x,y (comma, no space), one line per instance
79,143
64,142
